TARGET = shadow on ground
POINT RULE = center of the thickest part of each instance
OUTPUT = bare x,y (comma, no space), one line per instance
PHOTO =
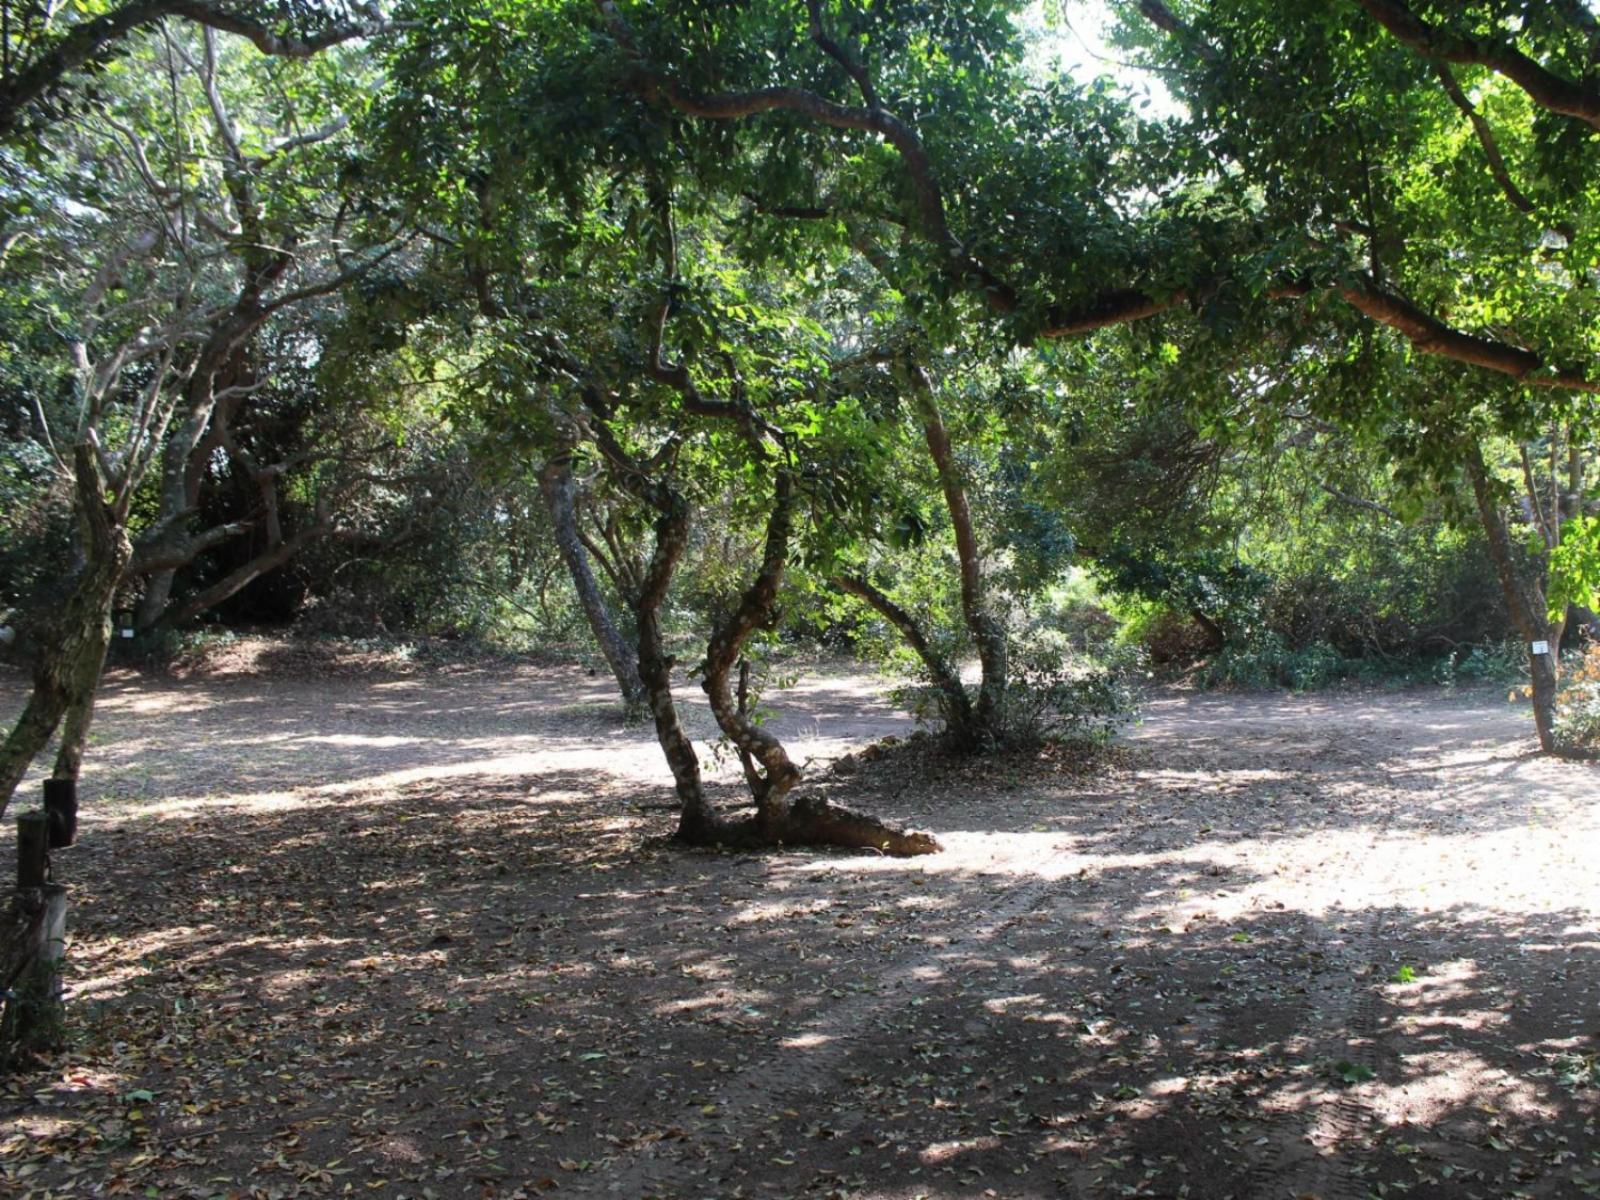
1339,950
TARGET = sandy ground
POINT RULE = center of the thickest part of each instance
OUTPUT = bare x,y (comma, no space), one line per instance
420,936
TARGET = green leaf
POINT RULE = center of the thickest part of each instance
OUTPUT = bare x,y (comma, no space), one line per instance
1353,1072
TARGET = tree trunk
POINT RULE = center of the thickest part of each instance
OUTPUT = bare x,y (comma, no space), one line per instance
152,605
239,579
959,729
987,633
655,667
809,820
1525,601
556,486
72,652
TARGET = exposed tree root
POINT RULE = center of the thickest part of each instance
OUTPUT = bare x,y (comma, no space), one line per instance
810,821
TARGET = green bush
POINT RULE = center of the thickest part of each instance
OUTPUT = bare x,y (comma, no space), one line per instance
1056,693
1578,703
1059,694
1267,660
1491,662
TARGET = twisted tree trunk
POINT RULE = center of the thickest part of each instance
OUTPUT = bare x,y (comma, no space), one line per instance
810,820
777,775
695,819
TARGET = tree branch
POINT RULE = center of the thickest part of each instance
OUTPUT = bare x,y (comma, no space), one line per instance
1486,139
1164,19
93,42
1112,306
914,156
1545,88
838,53
1357,502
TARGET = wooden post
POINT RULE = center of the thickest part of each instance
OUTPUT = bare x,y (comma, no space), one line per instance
33,849
61,804
33,940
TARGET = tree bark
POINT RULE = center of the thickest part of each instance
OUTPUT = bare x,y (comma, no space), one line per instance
73,649
987,634
1525,601
556,486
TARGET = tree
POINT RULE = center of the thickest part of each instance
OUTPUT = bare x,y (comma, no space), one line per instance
43,45
162,264
1466,195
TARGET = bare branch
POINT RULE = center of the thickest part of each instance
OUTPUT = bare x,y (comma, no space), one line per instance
1382,510
1486,139
311,138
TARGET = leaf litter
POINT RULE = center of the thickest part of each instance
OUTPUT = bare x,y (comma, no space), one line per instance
425,938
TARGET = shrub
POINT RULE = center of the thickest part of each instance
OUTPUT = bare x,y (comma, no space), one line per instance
1266,660
1061,695
1578,702
1055,693
1491,662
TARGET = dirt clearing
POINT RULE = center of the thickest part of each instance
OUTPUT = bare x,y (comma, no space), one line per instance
416,935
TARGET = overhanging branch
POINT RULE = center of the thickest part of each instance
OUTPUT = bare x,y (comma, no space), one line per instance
1544,87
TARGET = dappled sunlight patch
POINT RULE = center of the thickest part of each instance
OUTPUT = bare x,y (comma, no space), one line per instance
780,910
940,1153
120,961
370,741
177,808
726,1002
1172,1085
1438,1085
1009,1004
32,1126
966,851
807,1041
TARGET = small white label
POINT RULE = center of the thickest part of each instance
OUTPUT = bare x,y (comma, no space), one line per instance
128,633
1540,647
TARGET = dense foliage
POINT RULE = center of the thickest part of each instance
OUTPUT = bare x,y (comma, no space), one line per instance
707,328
